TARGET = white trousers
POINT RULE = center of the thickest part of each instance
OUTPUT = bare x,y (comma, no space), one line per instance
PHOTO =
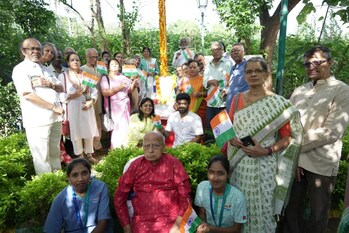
44,146
79,147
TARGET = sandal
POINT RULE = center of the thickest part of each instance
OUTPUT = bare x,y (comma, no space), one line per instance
91,159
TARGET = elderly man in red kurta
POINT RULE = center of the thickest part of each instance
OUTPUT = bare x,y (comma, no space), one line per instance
161,190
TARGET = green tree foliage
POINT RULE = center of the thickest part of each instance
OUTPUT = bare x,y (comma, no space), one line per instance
9,110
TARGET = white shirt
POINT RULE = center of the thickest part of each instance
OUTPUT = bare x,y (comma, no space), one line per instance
181,59
185,128
32,114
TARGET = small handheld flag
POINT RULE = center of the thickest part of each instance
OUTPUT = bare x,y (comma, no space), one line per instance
101,67
222,128
157,122
214,97
190,221
89,80
188,89
129,70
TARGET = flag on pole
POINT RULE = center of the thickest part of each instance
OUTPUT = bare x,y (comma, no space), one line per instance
129,70
102,67
222,128
190,221
89,80
188,89
214,97
157,122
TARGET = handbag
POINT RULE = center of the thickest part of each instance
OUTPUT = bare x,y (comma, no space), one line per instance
108,123
65,123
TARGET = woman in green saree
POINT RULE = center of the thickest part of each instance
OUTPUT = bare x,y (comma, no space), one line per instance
264,168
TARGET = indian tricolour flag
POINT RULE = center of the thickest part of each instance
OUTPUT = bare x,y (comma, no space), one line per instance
89,80
188,89
129,70
214,97
187,54
142,74
190,221
157,122
222,128
102,67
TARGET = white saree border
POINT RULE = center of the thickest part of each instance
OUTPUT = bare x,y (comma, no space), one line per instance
262,120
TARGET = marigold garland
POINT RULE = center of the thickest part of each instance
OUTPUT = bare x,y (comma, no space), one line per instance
163,38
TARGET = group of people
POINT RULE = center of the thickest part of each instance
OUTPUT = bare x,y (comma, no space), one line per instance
283,149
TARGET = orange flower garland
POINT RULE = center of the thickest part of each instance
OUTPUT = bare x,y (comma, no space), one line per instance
163,38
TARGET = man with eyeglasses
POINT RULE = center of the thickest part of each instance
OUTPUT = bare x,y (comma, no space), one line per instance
324,106
183,54
161,190
237,82
41,111
216,79
91,67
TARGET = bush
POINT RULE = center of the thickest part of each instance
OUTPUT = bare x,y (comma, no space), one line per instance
16,167
35,198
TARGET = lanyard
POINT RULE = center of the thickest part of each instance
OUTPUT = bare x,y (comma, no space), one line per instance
222,206
77,209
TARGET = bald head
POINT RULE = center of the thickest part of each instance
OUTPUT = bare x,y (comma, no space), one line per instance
31,49
91,57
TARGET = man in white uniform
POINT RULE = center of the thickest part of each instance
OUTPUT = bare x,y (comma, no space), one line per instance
40,106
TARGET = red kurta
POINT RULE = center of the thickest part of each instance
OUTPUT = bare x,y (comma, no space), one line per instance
161,194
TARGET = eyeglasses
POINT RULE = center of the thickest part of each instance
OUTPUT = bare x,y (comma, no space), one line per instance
235,50
314,63
32,49
154,146
256,71
193,67
93,57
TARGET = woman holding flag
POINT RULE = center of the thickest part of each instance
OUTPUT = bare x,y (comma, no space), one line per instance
81,95
193,86
117,89
264,151
222,207
150,67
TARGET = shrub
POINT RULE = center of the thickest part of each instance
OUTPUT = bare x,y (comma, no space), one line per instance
35,198
16,167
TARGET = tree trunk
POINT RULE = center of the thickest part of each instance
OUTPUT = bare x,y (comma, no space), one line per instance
91,28
101,28
270,29
271,26
124,30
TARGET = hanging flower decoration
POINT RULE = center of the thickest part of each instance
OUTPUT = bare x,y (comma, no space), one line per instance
163,38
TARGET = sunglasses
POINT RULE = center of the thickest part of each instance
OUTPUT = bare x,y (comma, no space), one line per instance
314,63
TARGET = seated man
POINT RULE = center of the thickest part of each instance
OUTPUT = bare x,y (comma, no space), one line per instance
186,125
161,190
